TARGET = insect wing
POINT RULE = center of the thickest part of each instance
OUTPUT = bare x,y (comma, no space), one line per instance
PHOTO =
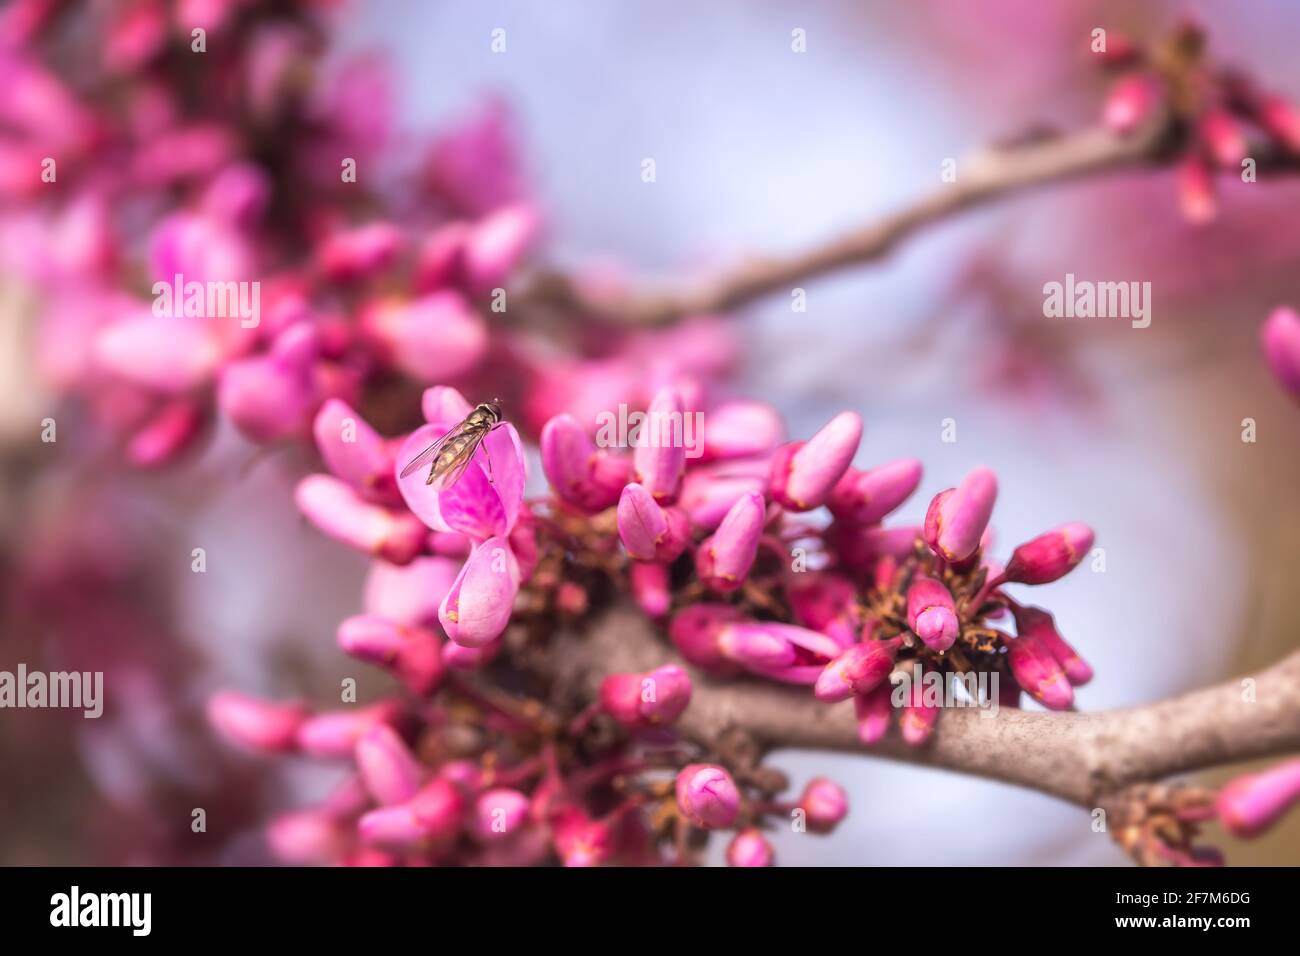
448,473
424,457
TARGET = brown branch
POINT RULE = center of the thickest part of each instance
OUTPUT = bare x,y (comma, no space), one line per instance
996,172
1080,757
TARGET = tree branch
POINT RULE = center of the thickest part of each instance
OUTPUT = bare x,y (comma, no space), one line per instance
1079,757
996,172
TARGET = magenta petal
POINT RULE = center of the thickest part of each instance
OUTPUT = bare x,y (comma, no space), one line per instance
474,505
354,451
641,522
477,608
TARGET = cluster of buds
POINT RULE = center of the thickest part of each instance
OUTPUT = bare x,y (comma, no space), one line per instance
1209,110
1158,824
723,547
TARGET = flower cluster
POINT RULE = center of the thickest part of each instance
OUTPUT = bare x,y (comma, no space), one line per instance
1210,109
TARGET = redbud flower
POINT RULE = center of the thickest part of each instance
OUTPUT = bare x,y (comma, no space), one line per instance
411,594
1039,624
499,813
443,405
1196,190
865,497
587,477
783,652
477,608
825,804
1281,120
167,435
1223,137
335,734
1037,670
1281,339
648,531
1049,556
355,452
660,455
272,396
750,848
917,721
741,430
724,559
650,587
162,354
413,654
386,765
487,498
257,724
580,840
359,252
1251,804
337,510
709,491
857,670
652,699
861,548
494,245
432,339
431,817
305,837
931,613
804,473
707,795
1131,101
956,519
820,599
872,710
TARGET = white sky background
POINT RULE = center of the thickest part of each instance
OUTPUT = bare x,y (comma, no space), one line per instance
759,149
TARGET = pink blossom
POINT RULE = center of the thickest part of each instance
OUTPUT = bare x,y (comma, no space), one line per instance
931,613
256,724
654,698
386,765
583,476
648,531
804,473
1280,337
413,654
750,848
958,517
825,803
723,560
857,670
477,608
1253,803
338,511
707,795
1049,556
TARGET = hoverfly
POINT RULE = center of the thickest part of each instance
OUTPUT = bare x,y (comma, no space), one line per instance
452,453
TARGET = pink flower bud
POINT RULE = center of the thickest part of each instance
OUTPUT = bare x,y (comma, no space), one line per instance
477,608
931,613
872,710
360,252
580,840
336,734
355,452
429,819
409,595
331,505
649,531
695,631
865,497
858,670
306,838
1196,190
1223,137
386,765
723,560
256,724
825,804
653,699
1251,804
499,814
413,654
167,434
496,243
1049,556
709,491
164,354
820,598
1038,672
650,588
432,339
1130,102
861,548
1037,623
957,518
707,796
783,652
804,473
582,475
659,457
750,848
916,722
1281,340
1281,120
741,429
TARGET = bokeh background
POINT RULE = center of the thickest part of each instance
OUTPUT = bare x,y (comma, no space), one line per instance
758,150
